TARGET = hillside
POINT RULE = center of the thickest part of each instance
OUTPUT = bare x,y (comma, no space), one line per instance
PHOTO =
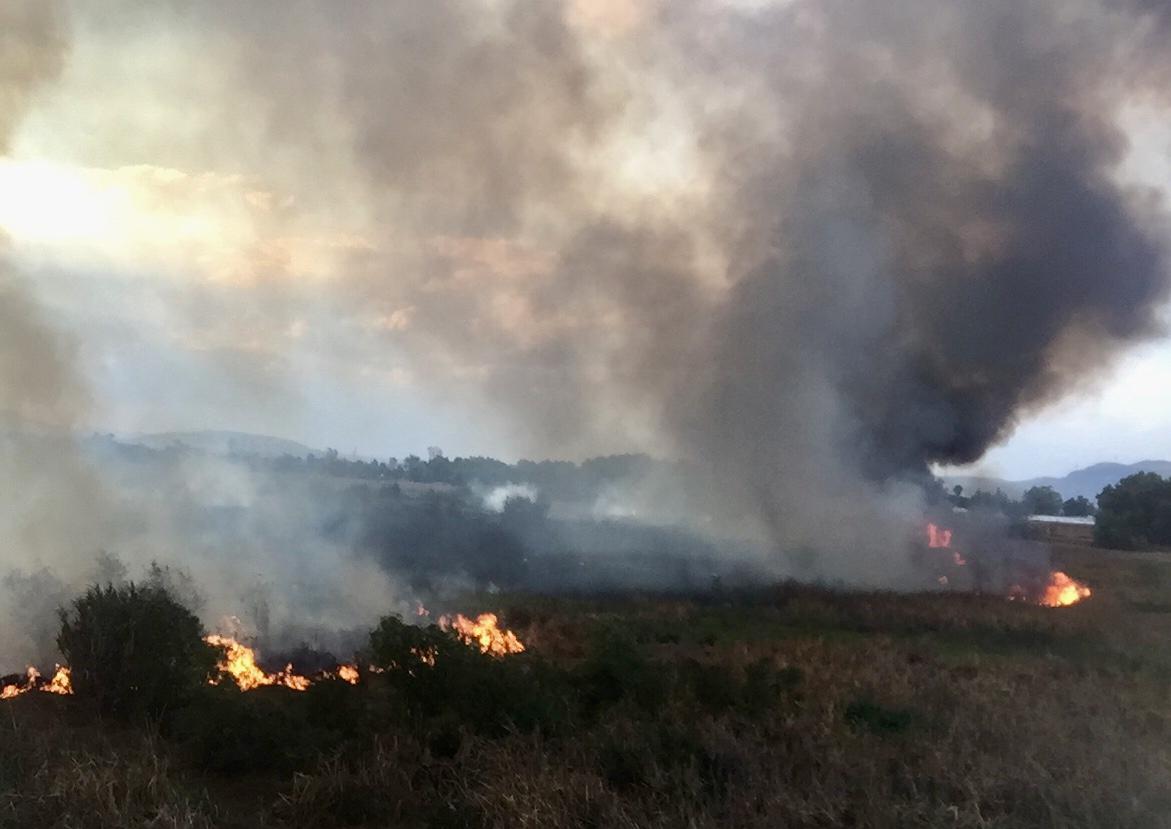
1088,481
218,442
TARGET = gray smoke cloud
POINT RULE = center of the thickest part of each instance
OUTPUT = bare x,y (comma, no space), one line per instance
907,228
810,247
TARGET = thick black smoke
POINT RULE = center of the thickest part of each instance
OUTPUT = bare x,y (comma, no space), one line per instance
950,243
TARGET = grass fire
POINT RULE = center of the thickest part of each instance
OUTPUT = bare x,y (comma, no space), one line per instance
646,701
585,414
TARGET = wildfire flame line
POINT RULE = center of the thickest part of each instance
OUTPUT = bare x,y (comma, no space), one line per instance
239,660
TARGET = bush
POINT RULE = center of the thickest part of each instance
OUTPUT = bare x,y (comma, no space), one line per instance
434,673
228,732
134,650
1135,513
615,670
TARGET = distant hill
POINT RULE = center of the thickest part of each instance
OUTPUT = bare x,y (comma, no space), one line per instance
1088,482
225,443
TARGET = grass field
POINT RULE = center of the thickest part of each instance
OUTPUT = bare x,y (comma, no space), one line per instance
791,706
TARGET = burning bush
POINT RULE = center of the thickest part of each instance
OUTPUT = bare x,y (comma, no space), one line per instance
134,650
435,672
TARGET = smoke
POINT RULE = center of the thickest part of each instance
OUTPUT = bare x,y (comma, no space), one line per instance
878,237
809,248
495,498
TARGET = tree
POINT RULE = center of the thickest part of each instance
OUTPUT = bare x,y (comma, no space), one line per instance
1042,500
1078,507
133,649
1135,513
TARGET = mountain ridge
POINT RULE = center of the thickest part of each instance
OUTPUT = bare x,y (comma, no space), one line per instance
1087,481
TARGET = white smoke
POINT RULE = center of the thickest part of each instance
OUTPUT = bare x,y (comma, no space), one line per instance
495,498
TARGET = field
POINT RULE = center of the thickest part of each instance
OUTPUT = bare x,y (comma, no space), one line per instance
791,706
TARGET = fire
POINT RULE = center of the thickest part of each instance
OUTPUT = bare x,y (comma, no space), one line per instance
484,632
15,690
239,660
59,684
1060,591
1063,591
938,537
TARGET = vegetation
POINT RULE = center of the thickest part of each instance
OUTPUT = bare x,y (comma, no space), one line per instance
1042,500
1079,507
1135,514
794,706
134,650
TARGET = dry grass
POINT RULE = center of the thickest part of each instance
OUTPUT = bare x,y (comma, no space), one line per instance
930,710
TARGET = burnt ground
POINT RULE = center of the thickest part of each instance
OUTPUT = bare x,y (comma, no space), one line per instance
792,706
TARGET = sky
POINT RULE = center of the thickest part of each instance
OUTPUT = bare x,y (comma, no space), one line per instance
193,281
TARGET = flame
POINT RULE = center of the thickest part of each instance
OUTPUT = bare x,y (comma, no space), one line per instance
10,691
938,537
1063,591
59,684
239,660
484,632
959,560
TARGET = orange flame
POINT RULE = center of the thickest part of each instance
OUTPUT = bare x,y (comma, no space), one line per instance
938,537
240,661
1063,591
348,673
484,632
59,684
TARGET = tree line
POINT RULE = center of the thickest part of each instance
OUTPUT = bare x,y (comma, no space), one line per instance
1133,514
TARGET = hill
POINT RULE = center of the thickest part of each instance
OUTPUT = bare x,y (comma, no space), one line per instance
218,442
1088,481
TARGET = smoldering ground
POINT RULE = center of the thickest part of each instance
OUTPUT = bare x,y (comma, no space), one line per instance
809,247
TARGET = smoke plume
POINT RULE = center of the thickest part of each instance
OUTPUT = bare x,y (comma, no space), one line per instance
810,248
894,229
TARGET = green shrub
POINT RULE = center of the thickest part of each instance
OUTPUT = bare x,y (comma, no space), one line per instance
867,714
616,670
134,650
227,731
434,673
